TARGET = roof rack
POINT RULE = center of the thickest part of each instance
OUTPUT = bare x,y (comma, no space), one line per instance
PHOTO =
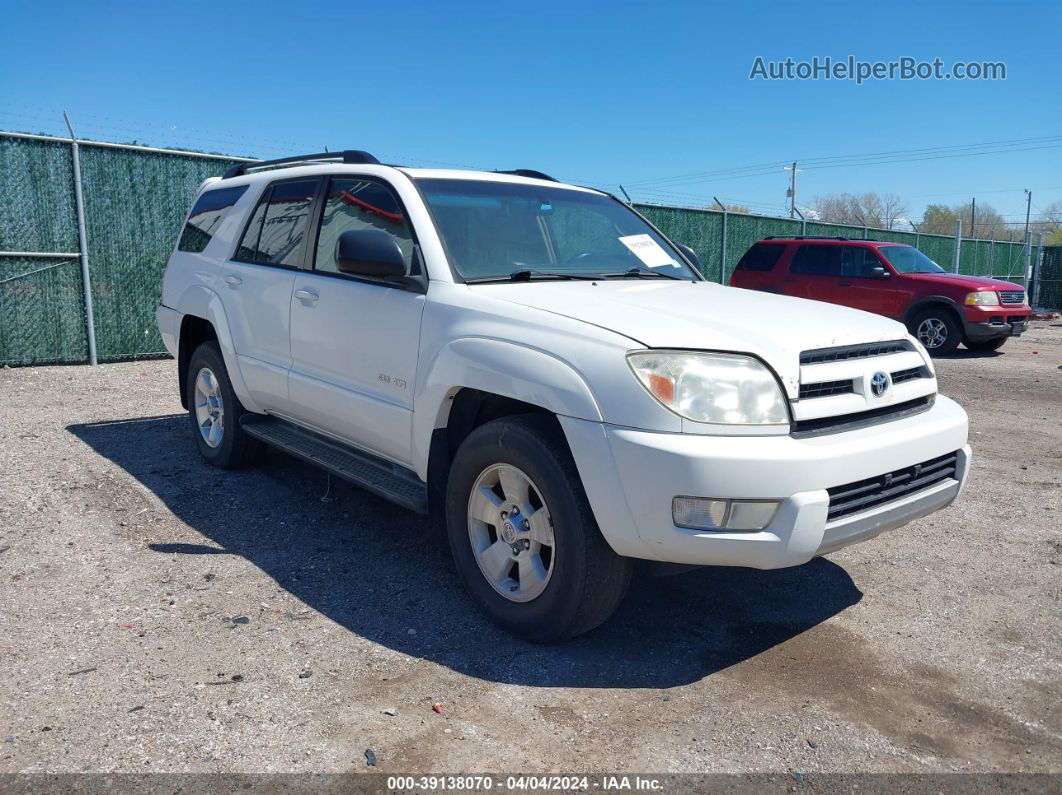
806,237
528,172
349,156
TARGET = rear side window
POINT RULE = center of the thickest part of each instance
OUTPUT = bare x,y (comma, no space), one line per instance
817,260
761,257
278,227
206,216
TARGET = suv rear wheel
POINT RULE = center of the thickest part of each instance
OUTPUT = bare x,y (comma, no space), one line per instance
215,411
522,534
938,330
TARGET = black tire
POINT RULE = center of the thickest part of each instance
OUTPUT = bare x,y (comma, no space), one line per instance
588,579
950,334
986,346
236,448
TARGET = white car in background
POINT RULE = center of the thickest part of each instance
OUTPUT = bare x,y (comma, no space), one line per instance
540,367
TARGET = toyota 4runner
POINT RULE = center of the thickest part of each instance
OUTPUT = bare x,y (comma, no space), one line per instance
538,367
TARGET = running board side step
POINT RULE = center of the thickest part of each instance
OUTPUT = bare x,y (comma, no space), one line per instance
387,480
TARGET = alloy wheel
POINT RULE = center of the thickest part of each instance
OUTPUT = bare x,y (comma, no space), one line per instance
209,407
511,532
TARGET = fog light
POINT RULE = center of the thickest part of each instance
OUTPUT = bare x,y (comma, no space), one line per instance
751,515
697,513
702,513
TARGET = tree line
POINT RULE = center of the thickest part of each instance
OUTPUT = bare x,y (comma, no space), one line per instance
889,211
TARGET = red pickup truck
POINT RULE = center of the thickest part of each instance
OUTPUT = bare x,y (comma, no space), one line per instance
941,309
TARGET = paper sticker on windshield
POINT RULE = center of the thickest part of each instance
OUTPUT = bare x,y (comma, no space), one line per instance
647,250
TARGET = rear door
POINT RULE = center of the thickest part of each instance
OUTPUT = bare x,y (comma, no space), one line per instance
355,341
813,271
256,287
859,287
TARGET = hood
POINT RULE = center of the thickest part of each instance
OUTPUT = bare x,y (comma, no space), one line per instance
961,282
706,316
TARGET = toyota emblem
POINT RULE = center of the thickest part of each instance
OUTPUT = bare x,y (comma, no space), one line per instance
879,383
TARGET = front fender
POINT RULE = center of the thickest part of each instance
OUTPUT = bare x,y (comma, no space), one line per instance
926,301
200,301
501,368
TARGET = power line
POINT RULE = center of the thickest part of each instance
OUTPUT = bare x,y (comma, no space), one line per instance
853,159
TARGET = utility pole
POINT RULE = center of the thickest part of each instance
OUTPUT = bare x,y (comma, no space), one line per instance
973,217
791,193
1028,207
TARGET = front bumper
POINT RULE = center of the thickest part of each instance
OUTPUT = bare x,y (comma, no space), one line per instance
989,322
631,476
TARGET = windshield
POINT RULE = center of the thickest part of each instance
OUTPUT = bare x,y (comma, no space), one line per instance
907,259
493,230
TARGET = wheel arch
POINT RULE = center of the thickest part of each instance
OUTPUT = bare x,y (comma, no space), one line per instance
920,305
472,381
203,318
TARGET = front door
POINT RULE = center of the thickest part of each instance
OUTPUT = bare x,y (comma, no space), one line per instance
355,342
860,287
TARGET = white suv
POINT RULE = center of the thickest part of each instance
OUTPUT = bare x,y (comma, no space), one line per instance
540,367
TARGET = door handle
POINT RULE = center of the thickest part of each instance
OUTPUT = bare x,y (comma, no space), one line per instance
844,283
307,296
233,281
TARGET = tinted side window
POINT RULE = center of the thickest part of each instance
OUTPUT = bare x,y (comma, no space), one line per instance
857,261
761,257
360,204
206,216
278,226
817,261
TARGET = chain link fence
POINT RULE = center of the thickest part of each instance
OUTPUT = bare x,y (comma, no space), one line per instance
135,199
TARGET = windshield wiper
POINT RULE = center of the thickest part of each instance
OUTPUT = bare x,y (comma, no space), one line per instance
528,274
636,273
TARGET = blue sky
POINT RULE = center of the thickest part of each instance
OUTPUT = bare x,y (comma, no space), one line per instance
593,92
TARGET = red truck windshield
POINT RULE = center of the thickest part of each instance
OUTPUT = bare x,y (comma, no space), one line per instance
907,259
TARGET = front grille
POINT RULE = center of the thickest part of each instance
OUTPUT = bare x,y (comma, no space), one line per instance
1012,296
846,352
860,419
825,389
866,494
908,375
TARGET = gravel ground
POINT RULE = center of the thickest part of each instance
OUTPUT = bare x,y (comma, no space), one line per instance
160,615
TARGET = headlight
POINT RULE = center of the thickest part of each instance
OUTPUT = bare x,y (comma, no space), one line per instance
982,298
712,387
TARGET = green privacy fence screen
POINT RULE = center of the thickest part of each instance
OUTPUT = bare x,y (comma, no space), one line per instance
135,199
702,230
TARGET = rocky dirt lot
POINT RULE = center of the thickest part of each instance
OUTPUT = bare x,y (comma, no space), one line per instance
160,615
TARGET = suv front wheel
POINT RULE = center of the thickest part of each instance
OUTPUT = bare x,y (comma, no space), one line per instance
523,536
938,330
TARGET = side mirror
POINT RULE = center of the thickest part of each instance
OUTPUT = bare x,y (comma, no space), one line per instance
691,255
879,272
369,252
